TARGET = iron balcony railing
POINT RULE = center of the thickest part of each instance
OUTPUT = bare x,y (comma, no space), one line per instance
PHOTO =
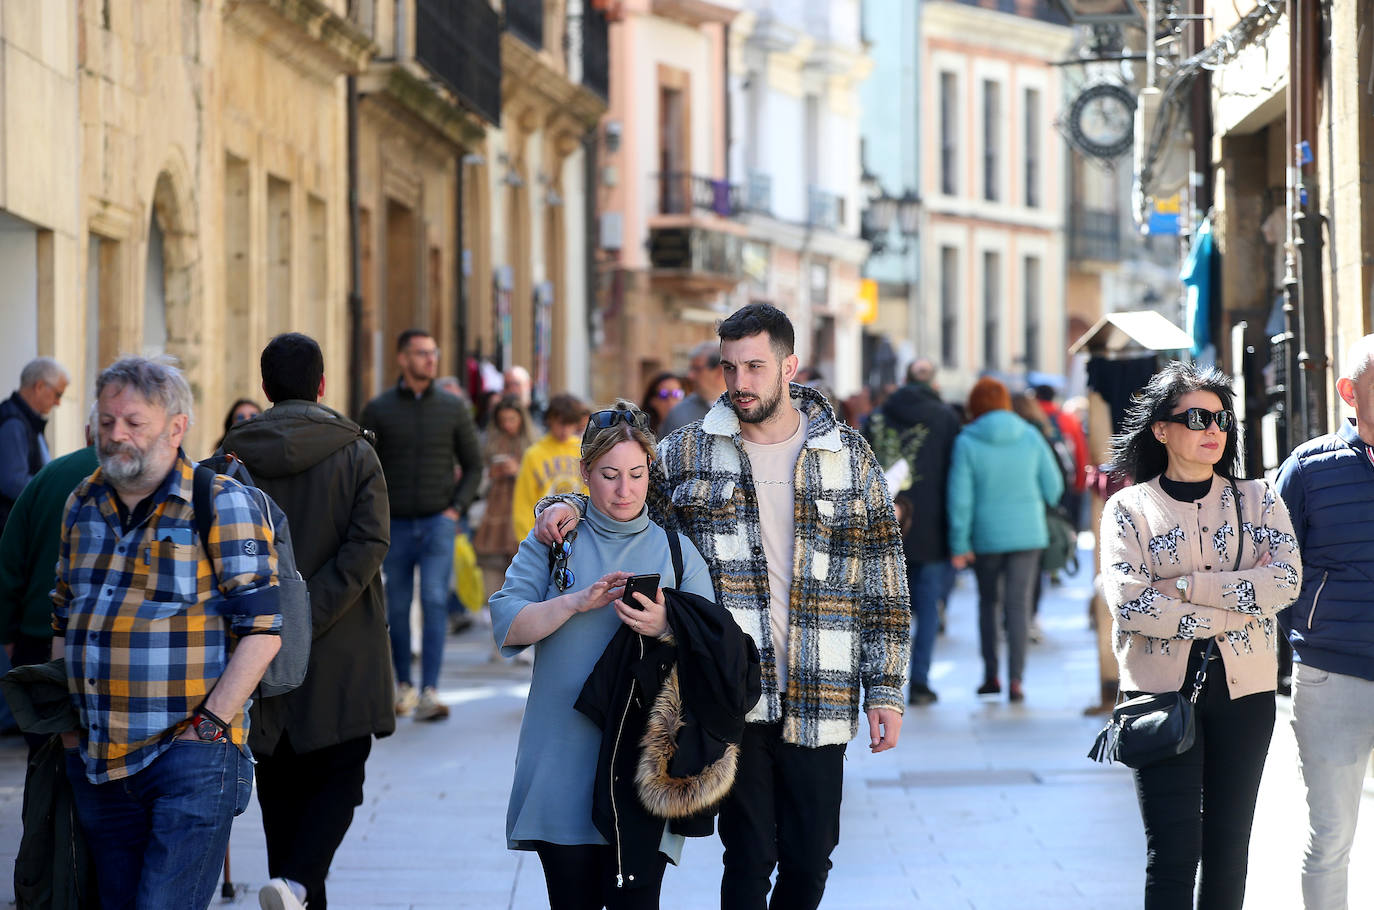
1095,235
458,41
758,193
824,209
525,20
681,193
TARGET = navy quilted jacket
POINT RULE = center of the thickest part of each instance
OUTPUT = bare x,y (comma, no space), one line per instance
1328,485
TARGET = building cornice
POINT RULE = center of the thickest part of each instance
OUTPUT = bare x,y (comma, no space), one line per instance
803,239
424,101
306,33
974,26
695,12
528,76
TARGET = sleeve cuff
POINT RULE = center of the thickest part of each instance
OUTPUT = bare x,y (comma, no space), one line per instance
889,697
1205,590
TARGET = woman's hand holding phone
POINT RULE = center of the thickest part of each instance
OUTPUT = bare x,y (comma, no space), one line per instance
648,617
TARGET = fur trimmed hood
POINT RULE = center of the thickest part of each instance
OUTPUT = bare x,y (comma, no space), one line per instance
662,793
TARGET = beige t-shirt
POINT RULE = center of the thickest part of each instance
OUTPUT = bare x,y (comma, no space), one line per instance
774,467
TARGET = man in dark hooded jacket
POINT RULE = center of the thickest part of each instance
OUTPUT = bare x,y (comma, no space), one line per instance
312,743
916,425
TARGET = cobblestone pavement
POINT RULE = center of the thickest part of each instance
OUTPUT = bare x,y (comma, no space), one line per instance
983,805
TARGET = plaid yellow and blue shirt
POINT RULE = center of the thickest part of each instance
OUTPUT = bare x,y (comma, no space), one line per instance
148,621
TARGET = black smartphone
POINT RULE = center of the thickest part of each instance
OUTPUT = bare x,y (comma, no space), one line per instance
642,584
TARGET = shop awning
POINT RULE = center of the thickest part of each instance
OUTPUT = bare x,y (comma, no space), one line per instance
1138,330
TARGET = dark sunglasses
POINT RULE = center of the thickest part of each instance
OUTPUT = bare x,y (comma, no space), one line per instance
602,420
1201,419
670,393
559,554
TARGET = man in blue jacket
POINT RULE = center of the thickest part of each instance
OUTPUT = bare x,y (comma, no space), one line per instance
1328,484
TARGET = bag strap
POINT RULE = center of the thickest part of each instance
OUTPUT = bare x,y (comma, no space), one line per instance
1202,671
675,547
1240,539
202,501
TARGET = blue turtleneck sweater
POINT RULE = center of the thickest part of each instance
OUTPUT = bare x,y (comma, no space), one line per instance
555,763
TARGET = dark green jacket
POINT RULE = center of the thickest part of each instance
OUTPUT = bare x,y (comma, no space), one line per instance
28,547
419,439
316,465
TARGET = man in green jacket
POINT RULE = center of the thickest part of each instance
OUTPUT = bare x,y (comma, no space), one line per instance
28,555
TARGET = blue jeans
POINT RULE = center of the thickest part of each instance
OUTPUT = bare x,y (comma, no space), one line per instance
928,581
428,543
158,838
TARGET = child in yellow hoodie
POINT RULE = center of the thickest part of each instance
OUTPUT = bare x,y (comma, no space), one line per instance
551,465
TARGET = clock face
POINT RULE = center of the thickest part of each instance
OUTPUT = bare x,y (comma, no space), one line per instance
1102,120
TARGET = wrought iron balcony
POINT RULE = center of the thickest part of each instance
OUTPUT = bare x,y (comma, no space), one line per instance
758,194
681,193
824,209
1095,235
458,41
525,20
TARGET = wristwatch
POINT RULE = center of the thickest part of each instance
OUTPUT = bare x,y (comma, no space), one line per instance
209,729
1182,586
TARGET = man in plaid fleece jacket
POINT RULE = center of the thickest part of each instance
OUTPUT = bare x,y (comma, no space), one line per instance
165,638
792,514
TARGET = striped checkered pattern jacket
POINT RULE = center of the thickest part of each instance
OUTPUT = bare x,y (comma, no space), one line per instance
147,631
850,613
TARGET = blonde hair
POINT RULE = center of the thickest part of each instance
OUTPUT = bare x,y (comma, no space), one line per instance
596,441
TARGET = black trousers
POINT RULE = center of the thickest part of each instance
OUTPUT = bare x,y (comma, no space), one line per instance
307,802
784,810
582,877
1198,807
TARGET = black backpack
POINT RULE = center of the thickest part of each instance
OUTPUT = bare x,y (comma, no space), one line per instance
287,669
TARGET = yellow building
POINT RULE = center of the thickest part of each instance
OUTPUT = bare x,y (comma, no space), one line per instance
187,160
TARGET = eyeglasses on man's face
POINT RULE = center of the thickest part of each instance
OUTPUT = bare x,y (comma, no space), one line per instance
1201,419
559,554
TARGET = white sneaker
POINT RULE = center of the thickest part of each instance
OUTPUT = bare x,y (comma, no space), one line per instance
406,699
278,895
430,707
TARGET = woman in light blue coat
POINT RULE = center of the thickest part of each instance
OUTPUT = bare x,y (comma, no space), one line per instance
567,604
1002,477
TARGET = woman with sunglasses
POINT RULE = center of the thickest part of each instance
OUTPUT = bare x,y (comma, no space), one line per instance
1195,563
566,602
661,395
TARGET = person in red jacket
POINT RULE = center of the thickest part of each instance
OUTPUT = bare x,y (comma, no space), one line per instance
1070,431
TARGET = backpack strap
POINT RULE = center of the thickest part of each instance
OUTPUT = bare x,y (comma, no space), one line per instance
675,547
203,502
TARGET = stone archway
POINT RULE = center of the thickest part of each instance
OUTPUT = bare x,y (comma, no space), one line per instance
173,284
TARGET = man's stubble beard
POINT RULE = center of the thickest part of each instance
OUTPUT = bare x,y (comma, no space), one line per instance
766,407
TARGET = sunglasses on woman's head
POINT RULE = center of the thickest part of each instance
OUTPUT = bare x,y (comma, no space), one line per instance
1201,419
559,554
602,420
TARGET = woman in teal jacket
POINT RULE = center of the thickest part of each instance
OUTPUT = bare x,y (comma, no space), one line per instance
1002,478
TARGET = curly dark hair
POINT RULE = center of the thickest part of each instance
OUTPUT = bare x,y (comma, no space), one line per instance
1136,453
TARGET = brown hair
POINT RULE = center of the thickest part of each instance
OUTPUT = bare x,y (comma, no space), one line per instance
597,442
565,408
987,395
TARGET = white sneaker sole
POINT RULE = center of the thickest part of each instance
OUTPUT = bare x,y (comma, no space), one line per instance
276,896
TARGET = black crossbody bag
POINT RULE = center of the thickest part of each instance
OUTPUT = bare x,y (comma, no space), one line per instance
1150,728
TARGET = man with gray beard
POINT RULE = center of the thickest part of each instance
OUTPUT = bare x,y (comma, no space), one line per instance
145,614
